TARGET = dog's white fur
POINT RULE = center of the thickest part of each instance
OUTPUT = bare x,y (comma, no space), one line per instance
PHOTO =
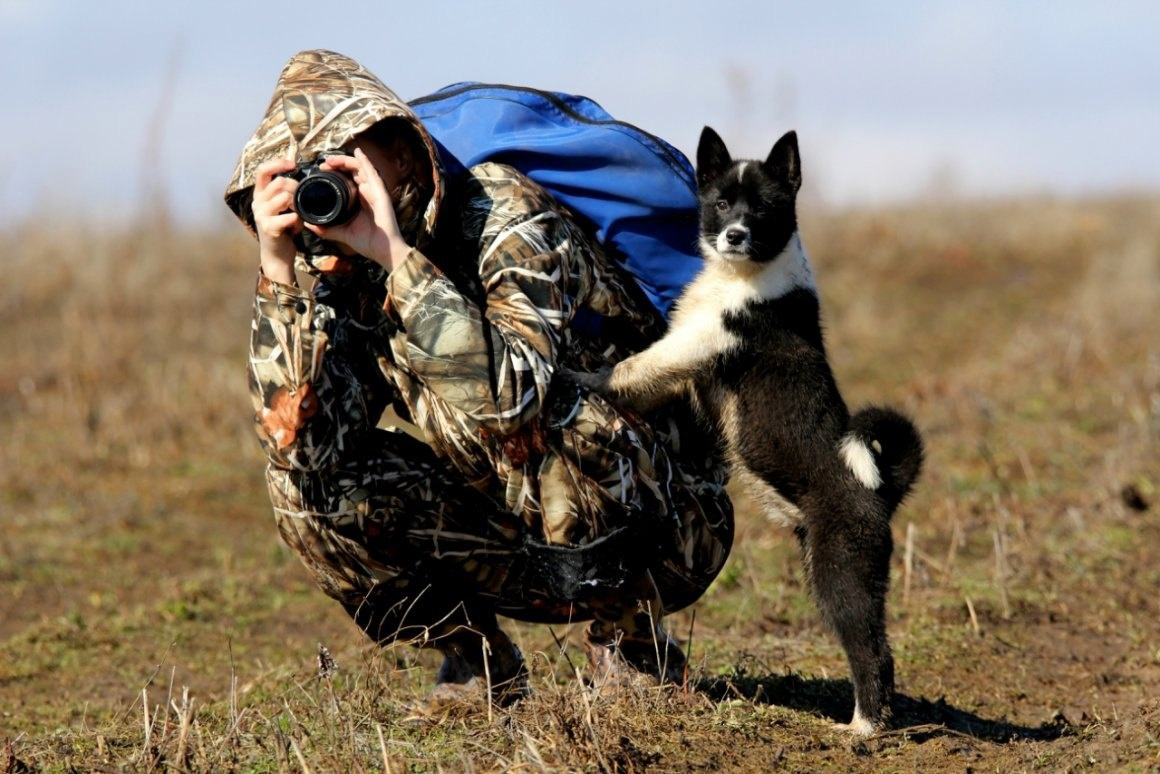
697,331
860,461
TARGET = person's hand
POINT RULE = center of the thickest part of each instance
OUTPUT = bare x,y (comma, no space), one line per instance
374,232
275,219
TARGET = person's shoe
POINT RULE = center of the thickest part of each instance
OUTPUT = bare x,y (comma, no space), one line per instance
464,676
632,664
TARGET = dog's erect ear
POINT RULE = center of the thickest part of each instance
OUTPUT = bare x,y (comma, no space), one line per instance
784,162
712,157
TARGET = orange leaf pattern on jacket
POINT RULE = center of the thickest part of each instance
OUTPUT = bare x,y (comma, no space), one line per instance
287,413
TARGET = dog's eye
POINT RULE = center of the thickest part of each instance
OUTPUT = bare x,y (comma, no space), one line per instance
722,205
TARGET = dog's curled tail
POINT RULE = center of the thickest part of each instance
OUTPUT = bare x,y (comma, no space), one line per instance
895,447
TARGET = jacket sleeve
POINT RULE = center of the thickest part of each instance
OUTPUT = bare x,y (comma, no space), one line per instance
310,397
493,358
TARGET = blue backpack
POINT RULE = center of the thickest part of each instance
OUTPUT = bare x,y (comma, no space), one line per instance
637,192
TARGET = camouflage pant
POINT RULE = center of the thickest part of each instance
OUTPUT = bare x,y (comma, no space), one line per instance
414,554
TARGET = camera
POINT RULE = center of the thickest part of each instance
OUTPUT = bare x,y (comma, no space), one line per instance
325,197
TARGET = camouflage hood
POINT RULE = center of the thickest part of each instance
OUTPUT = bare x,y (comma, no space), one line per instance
321,101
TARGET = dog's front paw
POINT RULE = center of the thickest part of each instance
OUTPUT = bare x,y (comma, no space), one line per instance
594,381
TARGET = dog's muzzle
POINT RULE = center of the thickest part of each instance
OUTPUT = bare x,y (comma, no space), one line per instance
734,241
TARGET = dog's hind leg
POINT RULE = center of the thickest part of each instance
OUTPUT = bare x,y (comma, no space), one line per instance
848,568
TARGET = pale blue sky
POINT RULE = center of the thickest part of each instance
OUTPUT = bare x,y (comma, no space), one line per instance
895,102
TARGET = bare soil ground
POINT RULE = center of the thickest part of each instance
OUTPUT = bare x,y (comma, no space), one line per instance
150,619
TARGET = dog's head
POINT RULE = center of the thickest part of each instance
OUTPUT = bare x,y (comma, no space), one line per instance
748,208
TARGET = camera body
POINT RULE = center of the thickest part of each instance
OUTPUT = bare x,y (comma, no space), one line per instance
325,197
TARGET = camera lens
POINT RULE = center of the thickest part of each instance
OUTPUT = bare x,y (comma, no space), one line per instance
326,198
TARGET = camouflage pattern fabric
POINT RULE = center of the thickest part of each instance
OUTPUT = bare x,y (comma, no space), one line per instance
523,478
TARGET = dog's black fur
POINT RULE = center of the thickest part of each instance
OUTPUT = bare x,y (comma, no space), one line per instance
746,344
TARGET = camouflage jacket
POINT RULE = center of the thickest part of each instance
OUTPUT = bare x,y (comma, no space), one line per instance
465,338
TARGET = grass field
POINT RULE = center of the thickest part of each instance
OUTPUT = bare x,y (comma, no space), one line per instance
151,620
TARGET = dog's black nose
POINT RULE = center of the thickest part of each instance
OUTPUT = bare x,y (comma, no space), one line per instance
735,236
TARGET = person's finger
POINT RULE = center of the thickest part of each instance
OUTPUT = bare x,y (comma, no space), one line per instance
269,170
358,166
322,231
280,190
365,167
372,187
280,225
274,203
344,163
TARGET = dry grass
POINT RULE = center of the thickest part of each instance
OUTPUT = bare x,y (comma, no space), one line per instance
150,620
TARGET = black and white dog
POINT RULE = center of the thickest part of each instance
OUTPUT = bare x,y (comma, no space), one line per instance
745,344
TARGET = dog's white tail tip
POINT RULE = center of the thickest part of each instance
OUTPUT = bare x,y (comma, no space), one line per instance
860,460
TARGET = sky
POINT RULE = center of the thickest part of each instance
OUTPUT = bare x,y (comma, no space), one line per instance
113,107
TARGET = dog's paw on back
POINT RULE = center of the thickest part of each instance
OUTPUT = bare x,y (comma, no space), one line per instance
593,381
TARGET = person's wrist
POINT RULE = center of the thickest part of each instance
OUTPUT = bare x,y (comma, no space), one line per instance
277,267
391,253
399,250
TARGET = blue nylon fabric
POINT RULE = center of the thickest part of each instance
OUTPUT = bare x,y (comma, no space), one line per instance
638,193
